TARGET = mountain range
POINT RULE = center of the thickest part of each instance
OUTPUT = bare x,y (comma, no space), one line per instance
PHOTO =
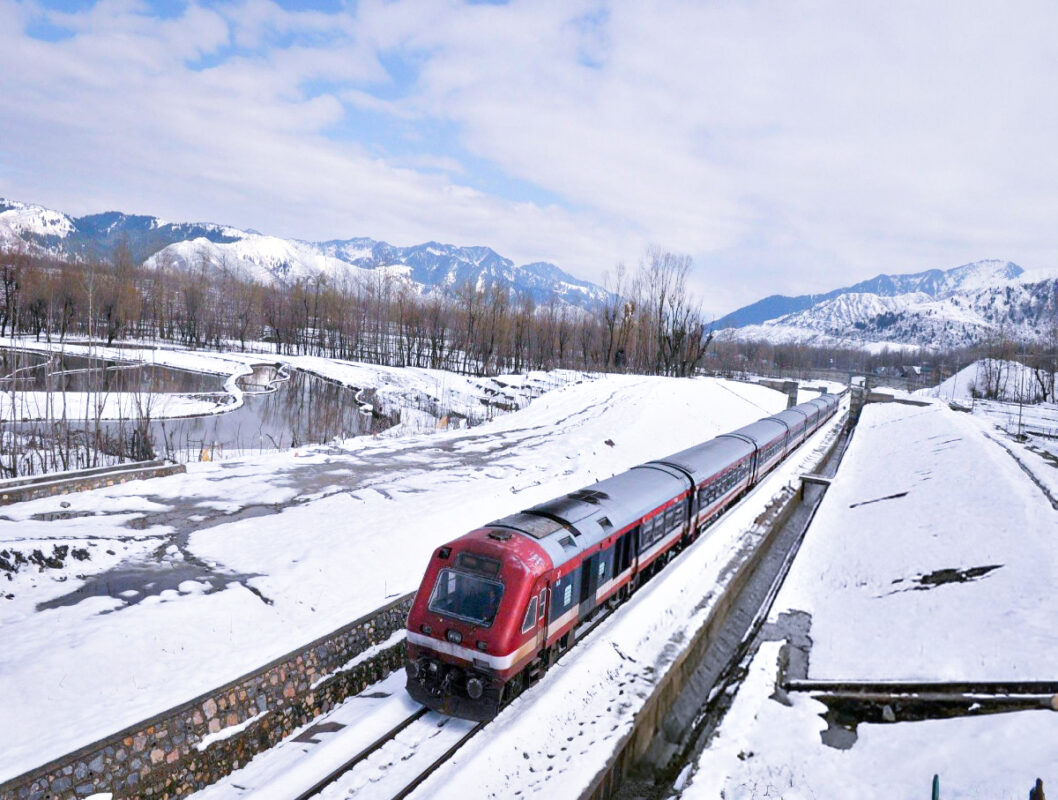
269,259
936,308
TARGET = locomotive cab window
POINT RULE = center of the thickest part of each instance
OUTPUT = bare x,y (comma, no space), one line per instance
530,616
465,596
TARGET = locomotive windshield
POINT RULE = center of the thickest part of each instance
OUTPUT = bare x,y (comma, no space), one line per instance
468,597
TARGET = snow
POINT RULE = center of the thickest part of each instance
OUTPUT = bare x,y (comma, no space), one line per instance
847,309
264,258
905,505
288,769
332,533
1010,380
30,406
967,305
967,504
227,733
767,749
23,219
778,332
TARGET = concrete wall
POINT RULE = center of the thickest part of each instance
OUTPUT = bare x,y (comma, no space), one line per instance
186,748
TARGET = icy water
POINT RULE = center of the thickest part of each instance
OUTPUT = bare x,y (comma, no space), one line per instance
38,372
281,409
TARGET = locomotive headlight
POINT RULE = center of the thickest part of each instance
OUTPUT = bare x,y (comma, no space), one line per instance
475,688
482,646
455,637
426,629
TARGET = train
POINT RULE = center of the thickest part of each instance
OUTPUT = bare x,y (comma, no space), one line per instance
499,605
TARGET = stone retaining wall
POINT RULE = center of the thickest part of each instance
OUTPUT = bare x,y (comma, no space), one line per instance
20,489
185,748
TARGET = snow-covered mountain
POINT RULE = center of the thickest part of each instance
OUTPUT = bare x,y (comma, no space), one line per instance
933,282
155,242
938,308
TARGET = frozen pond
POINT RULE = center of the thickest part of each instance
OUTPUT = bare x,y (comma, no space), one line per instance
281,407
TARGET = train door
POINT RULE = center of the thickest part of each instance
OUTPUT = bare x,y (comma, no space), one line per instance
589,582
624,551
538,610
630,558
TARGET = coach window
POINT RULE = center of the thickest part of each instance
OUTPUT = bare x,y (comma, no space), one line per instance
530,616
543,594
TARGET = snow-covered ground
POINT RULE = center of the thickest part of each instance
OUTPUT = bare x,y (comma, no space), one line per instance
326,534
923,494
998,379
1015,410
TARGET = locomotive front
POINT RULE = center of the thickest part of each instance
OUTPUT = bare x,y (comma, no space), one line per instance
470,636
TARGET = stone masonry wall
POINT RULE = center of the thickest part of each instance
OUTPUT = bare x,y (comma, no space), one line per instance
18,490
166,756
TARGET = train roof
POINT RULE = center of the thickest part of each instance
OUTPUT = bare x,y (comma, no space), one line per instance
762,431
797,415
706,459
574,522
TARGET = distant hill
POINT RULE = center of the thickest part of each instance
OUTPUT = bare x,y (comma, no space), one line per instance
936,308
426,267
933,282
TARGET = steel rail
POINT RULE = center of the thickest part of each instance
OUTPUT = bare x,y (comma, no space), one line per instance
376,745
437,762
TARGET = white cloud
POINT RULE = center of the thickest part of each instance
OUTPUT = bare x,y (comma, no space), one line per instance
788,147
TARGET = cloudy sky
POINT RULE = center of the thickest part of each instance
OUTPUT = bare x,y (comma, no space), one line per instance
787,146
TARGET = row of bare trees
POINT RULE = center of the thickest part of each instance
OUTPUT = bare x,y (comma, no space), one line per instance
651,325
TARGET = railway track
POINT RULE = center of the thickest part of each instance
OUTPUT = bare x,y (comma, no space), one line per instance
398,761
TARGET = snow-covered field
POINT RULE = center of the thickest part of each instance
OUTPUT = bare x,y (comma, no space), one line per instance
922,495
1015,408
326,534
1008,381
